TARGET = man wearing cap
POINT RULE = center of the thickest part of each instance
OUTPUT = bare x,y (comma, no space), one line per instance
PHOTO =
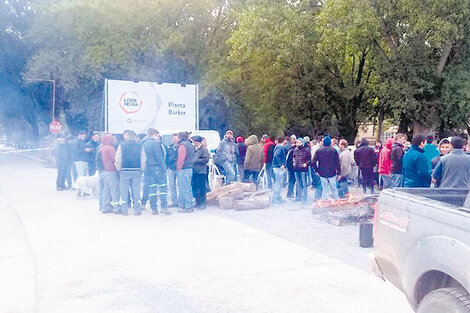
227,156
184,170
154,169
200,171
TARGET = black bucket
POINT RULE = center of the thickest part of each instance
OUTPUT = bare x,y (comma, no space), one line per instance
366,239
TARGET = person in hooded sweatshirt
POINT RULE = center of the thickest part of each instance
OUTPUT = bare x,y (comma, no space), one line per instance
108,174
385,164
327,164
366,160
301,161
253,160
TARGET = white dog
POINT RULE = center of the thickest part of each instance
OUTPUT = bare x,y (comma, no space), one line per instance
87,185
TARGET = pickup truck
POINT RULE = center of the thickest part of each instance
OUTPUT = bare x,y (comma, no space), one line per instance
422,246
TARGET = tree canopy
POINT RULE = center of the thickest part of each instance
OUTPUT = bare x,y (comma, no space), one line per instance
305,67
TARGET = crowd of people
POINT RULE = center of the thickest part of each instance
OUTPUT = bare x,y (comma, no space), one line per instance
328,165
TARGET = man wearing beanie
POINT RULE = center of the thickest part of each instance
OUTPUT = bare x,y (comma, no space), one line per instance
326,163
200,172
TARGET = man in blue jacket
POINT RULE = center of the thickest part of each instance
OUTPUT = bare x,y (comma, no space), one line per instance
416,171
279,168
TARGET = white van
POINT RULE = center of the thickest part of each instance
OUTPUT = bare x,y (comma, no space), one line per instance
212,138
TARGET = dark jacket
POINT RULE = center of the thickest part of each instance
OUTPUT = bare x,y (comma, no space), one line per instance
94,150
453,170
61,154
290,159
154,154
185,157
128,156
171,156
201,158
241,153
396,155
326,162
365,156
80,154
416,172
301,158
280,156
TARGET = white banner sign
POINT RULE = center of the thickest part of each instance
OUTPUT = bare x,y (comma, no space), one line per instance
142,105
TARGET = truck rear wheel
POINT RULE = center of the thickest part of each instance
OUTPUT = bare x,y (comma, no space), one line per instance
448,300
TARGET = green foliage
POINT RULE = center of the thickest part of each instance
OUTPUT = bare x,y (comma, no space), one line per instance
278,66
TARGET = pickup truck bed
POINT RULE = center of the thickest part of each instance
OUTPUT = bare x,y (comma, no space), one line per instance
422,244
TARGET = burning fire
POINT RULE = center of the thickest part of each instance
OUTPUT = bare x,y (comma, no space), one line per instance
351,199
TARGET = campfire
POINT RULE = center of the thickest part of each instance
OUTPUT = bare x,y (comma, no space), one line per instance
350,210
351,199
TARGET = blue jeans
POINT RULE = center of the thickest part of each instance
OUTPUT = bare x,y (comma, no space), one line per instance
301,181
110,181
278,175
328,185
316,182
172,185
290,184
229,172
82,168
270,175
343,188
185,189
130,180
397,180
386,181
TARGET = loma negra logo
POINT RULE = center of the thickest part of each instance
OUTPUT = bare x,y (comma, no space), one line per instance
130,102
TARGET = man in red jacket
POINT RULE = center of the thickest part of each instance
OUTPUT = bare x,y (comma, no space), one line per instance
385,164
108,174
268,150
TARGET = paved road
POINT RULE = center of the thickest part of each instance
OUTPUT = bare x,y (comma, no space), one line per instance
59,254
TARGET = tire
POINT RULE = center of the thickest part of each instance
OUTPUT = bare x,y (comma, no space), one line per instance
445,300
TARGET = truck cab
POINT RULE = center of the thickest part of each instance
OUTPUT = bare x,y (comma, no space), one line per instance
422,246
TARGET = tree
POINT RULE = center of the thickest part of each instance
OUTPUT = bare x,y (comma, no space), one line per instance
420,40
